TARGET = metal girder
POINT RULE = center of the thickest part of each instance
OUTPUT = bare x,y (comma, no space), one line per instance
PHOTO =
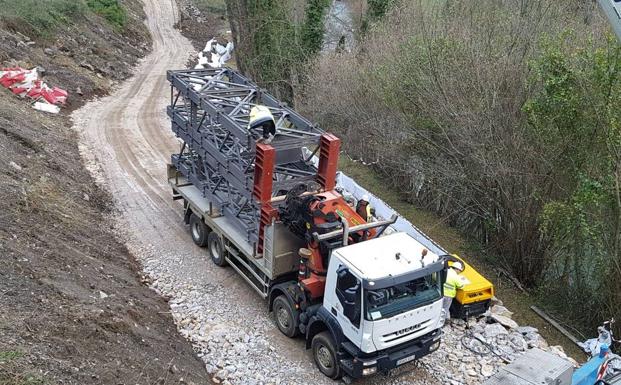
209,110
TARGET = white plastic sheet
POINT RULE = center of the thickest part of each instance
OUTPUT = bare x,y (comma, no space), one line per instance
384,211
46,107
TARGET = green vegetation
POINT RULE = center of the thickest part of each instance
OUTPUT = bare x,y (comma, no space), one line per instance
110,10
41,18
9,355
13,372
217,7
376,10
20,380
575,118
313,27
504,120
272,46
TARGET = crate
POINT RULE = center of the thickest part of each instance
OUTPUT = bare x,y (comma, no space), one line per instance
535,367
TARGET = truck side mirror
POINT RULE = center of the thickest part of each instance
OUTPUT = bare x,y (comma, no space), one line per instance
351,307
348,292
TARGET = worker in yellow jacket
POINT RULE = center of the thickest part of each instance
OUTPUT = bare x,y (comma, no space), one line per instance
454,281
261,118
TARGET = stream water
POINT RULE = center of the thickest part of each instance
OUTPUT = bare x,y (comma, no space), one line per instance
339,32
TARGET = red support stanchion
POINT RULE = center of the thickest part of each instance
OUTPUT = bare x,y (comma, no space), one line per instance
262,189
329,148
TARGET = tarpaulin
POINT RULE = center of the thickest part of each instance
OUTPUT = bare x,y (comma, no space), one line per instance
26,83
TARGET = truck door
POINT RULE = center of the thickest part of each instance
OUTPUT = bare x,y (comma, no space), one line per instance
343,298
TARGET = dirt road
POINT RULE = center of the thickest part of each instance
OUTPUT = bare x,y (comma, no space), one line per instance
127,142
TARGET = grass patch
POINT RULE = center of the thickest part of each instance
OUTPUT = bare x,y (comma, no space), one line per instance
110,10
449,238
14,372
217,7
10,355
21,380
39,17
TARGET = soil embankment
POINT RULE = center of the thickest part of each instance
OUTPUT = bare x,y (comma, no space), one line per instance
73,308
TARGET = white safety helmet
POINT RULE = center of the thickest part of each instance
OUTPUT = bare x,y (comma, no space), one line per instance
365,197
458,266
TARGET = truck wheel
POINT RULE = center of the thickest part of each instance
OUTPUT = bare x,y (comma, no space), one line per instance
324,354
216,250
199,230
286,316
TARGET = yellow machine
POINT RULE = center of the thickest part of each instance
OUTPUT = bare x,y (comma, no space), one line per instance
475,297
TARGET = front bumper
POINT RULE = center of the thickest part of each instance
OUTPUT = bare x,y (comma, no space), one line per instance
383,361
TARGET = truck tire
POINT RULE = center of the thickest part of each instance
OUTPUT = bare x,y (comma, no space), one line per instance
287,317
324,354
216,250
199,230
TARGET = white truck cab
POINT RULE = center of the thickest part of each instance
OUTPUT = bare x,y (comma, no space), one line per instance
382,305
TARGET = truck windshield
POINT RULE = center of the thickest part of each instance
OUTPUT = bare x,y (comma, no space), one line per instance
394,300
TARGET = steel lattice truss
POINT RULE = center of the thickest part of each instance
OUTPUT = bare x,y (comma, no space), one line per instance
209,112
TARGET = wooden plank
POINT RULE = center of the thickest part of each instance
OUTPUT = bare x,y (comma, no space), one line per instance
556,325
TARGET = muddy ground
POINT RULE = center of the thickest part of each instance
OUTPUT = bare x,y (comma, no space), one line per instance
74,309
200,22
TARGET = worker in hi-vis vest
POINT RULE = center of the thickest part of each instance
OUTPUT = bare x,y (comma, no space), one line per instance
363,208
261,117
453,282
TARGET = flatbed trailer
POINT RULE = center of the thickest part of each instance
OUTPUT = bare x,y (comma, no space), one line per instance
277,263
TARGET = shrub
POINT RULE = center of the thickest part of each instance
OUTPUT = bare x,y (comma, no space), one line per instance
111,10
499,118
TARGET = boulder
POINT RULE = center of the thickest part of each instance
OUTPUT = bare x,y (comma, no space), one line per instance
524,330
504,321
501,310
493,330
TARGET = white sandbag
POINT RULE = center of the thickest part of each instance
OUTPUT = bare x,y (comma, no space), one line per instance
215,61
209,45
203,60
224,58
220,49
46,107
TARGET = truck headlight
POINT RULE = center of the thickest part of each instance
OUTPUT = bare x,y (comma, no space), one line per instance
369,371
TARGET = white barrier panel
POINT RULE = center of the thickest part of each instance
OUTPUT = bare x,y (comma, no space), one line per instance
384,211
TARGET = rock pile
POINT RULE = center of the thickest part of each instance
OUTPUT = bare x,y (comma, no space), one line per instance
473,351
234,342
